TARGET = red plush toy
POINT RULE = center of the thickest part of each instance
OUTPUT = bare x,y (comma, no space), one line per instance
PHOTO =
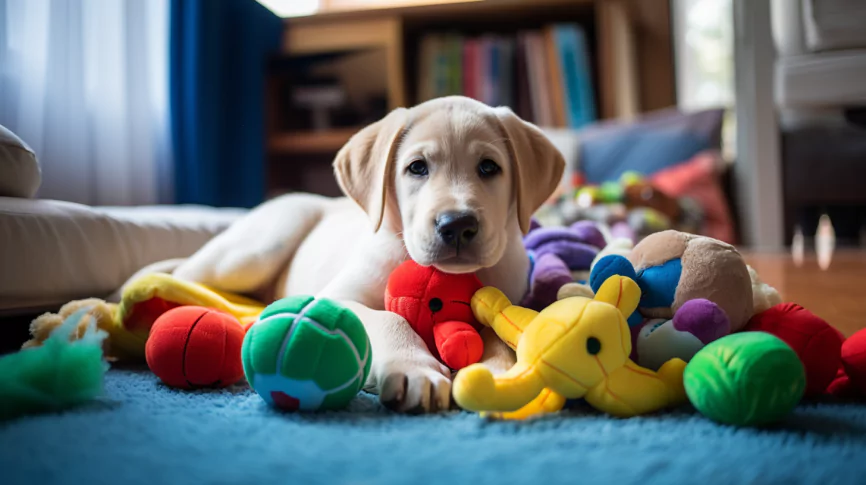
436,304
851,378
191,347
817,343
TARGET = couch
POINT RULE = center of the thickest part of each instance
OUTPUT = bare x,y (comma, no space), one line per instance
53,251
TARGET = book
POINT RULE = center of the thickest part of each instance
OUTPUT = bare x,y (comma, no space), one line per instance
426,68
577,85
506,71
522,92
486,66
453,65
440,67
539,84
471,73
586,85
555,79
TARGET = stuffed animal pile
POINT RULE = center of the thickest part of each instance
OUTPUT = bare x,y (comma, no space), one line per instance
631,206
699,302
629,328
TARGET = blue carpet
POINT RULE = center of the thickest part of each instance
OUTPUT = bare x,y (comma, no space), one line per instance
145,433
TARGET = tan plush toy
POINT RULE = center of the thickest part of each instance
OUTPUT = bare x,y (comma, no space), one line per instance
694,290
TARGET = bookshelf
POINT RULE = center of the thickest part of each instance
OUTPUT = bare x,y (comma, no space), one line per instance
378,50
302,142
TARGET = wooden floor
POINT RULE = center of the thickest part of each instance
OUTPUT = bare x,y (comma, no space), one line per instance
836,294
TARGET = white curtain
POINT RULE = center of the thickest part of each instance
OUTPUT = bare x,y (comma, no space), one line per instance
85,84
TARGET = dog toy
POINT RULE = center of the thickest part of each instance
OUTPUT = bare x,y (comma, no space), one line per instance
307,354
673,268
659,340
745,379
817,344
575,348
850,381
436,305
143,300
558,252
65,371
192,347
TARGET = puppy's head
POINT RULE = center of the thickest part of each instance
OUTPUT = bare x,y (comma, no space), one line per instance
451,174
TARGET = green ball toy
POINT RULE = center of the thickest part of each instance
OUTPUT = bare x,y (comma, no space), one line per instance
307,354
745,379
611,192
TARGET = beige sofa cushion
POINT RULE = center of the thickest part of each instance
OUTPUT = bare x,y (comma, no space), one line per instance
52,252
19,170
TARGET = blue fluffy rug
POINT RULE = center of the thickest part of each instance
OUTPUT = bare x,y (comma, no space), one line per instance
145,433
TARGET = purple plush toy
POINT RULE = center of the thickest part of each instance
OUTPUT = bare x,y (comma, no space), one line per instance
555,252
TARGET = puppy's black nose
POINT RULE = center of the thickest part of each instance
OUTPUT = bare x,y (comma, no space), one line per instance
456,228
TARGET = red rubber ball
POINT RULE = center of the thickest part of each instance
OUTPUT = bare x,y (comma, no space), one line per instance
191,347
854,359
817,344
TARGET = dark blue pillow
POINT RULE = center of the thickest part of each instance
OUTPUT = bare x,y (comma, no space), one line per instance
654,142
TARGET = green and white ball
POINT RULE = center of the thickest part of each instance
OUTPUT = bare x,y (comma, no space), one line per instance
307,354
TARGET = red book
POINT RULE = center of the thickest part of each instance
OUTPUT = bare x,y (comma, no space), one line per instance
470,69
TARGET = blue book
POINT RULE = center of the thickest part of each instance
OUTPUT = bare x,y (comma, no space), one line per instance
585,86
577,82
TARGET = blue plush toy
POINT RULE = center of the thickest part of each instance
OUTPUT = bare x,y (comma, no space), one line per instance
694,290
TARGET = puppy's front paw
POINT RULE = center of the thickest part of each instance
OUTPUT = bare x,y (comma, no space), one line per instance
414,386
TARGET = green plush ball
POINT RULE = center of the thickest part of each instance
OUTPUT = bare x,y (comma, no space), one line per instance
307,354
745,379
611,192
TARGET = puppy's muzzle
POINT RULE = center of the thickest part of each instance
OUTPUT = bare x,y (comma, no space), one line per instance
456,229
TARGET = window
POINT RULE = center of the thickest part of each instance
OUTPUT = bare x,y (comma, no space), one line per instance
704,49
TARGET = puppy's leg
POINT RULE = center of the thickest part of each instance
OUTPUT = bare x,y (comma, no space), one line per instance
497,356
253,250
404,373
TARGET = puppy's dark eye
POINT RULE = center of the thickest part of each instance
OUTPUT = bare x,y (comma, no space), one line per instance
488,168
418,168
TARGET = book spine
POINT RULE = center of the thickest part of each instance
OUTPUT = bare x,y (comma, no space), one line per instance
554,69
455,64
506,71
539,80
586,90
470,68
426,61
495,74
566,40
523,91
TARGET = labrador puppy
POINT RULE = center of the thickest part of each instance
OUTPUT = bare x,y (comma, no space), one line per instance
450,183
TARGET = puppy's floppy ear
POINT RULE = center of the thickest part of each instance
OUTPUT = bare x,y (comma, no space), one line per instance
364,166
537,164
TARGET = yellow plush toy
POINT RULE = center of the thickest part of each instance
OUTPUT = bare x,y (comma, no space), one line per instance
575,348
144,300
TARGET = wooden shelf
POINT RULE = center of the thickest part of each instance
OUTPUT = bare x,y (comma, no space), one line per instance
433,10
311,141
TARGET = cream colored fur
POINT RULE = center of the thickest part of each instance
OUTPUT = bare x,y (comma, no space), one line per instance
345,248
